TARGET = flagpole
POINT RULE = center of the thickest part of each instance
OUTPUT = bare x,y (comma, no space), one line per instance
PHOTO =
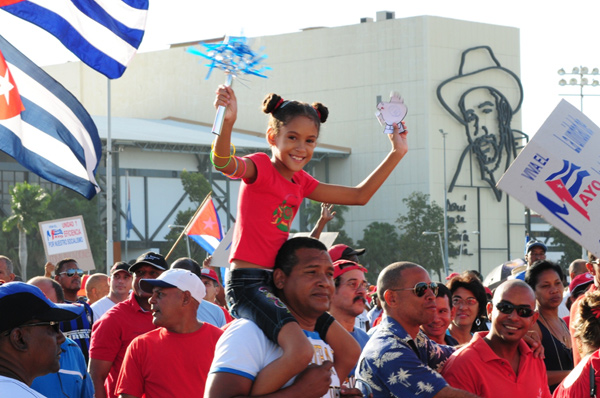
109,193
187,225
127,219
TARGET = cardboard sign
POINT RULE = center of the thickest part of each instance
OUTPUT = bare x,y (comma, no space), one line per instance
558,175
67,238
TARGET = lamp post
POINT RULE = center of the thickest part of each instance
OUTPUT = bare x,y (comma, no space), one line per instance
439,234
445,206
583,81
461,244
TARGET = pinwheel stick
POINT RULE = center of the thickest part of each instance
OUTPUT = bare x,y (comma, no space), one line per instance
218,124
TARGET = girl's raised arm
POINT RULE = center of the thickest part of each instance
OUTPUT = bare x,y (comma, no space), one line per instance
222,154
362,193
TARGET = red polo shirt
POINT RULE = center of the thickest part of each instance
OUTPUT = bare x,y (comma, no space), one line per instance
112,334
478,370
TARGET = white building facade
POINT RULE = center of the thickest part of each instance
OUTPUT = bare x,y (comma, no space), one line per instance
456,76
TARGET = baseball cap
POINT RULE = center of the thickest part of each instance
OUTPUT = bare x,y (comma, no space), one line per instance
150,258
535,243
182,279
209,273
336,252
20,302
581,281
119,266
340,267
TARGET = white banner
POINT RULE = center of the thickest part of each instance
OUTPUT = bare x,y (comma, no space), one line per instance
558,175
67,238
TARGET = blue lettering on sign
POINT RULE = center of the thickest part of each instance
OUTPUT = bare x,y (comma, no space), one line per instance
534,167
576,134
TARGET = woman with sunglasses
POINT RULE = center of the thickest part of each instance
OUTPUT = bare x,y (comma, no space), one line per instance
469,299
584,379
545,278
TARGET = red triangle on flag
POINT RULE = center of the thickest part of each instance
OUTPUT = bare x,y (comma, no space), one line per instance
9,2
10,100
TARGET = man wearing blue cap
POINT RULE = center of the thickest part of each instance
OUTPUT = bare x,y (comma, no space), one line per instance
534,251
30,338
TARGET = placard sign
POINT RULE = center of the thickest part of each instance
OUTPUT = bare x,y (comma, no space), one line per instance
558,175
67,238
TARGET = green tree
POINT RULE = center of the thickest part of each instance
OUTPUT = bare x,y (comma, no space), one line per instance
195,185
422,249
382,242
571,250
29,204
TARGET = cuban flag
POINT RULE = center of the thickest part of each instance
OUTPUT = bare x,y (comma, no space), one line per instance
44,127
205,227
103,34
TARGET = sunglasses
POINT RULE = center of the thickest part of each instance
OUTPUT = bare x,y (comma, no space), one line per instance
421,288
55,325
71,272
507,308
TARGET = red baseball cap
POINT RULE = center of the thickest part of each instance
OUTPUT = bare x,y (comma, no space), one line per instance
342,266
581,280
209,273
336,252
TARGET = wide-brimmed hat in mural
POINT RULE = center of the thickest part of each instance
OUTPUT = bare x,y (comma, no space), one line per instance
480,68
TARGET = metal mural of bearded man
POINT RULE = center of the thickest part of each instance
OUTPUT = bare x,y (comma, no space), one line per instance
484,97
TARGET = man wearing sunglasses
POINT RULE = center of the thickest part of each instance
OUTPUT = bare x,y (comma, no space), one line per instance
29,338
400,360
68,275
499,363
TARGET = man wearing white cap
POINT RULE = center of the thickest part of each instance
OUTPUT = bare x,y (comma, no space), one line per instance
173,360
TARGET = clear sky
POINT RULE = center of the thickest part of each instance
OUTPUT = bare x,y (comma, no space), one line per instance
554,34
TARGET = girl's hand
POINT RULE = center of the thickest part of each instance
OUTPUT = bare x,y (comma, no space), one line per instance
226,97
399,140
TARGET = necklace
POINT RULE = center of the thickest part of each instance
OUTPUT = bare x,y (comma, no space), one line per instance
561,336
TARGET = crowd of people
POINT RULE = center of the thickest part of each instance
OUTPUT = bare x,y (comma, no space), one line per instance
294,318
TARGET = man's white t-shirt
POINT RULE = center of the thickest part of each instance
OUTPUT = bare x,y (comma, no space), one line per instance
101,306
244,350
12,388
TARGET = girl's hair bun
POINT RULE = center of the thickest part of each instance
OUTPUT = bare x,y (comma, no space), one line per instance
322,111
271,103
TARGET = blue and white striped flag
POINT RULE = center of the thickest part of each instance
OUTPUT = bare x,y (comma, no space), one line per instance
104,34
44,127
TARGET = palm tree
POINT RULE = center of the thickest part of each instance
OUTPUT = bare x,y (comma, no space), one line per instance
29,204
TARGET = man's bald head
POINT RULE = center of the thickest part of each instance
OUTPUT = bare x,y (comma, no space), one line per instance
508,286
577,267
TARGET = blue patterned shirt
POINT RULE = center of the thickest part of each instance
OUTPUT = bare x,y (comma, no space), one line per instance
389,363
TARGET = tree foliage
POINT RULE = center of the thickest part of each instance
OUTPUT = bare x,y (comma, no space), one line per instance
195,185
62,203
29,204
571,250
422,249
382,242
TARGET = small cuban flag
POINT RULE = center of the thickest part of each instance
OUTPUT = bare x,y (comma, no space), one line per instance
205,228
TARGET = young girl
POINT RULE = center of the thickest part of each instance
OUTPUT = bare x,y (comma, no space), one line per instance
270,194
